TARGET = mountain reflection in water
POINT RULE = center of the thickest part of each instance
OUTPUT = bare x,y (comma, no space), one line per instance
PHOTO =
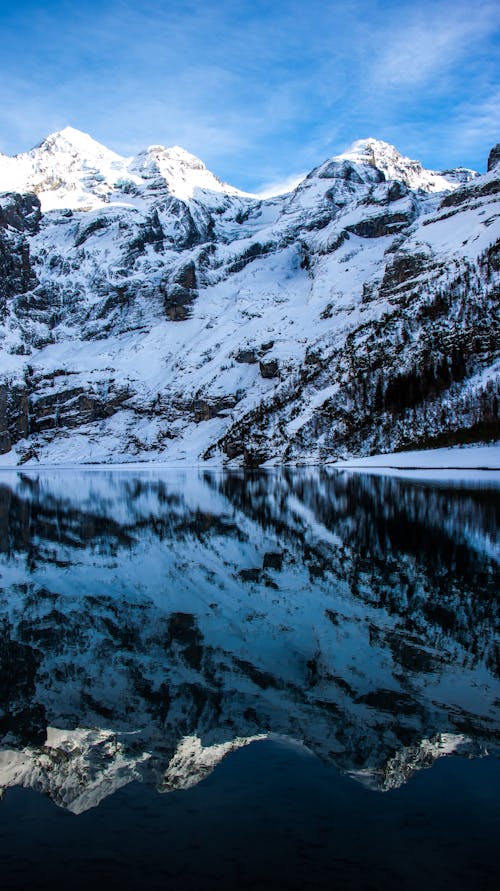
152,622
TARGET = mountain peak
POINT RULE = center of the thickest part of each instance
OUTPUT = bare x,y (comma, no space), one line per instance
173,156
369,145
372,151
71,134
68,169
75,141
183,173
177,153
394,165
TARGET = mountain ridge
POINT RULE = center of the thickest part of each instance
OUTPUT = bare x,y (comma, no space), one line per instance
81,145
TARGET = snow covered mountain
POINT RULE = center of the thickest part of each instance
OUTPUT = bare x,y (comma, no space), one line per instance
151,312
69,169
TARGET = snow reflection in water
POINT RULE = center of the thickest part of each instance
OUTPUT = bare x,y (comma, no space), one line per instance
153,622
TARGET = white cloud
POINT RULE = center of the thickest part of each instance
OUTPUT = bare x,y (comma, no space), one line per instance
281,186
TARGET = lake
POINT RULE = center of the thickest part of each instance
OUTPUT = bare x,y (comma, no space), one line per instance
270,679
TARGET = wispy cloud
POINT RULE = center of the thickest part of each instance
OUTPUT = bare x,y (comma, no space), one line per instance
473,124
429,41
280,186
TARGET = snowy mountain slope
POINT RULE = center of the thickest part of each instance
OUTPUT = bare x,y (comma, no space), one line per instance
350,614
151,311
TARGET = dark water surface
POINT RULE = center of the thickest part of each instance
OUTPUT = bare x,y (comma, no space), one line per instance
271,680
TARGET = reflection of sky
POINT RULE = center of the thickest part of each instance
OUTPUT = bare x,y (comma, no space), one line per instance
261,92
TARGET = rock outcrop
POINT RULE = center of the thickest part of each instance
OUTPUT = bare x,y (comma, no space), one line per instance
494,157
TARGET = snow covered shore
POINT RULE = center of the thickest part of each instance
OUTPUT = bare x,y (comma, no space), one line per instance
482,461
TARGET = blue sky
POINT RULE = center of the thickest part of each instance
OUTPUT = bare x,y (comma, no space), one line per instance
261,91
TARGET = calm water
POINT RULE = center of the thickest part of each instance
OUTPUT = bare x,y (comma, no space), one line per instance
269,680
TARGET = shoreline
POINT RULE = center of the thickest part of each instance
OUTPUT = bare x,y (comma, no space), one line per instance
482,461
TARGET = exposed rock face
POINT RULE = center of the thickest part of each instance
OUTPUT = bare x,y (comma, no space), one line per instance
14,423
269,368
374,283
20,212
204,410
181,294
494,156
19,216
248,357
376,227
